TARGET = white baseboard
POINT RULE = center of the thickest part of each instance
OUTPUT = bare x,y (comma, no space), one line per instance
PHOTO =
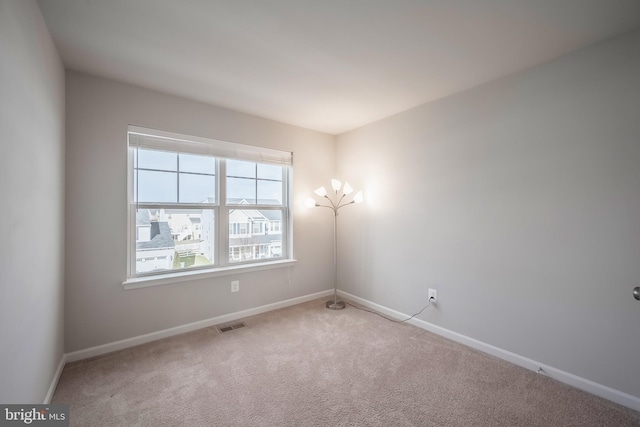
584,384
55,379
153,336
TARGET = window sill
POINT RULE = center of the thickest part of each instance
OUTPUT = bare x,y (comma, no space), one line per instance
172,278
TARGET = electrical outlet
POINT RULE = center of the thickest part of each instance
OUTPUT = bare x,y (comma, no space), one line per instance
433,296
235,286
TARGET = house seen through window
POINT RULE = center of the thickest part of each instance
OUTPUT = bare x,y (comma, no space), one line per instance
202,204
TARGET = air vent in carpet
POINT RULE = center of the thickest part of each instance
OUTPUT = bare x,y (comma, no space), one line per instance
231,327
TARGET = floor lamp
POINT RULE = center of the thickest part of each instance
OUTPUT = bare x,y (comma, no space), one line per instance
335,202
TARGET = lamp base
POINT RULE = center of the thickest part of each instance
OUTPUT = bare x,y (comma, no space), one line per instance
335,305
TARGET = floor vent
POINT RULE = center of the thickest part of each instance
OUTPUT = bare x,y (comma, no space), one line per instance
231,327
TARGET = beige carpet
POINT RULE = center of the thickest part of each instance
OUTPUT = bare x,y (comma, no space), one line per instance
309,366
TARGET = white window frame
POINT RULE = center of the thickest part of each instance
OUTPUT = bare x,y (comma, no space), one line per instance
221,150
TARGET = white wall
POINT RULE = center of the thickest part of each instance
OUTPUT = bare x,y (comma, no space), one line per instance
32,202
99,311
519,201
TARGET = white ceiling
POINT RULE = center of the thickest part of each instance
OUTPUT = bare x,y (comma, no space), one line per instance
328,65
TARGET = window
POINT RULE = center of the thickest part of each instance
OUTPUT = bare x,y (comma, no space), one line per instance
200,204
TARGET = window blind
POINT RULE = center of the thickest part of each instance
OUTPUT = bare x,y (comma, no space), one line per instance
140,137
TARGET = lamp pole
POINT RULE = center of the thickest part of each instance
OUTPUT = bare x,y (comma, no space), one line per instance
335,203
335,304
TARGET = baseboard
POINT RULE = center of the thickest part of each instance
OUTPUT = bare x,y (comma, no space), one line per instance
584,384
153,336
55,379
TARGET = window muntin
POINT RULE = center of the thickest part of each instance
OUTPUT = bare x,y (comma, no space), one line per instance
171,177
254,183
178,219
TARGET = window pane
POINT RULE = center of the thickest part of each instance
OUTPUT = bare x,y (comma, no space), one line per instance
241,168
244,187
239,189
174,239
254,234
269,192
197,164
160,187
269,172
152,159
197,188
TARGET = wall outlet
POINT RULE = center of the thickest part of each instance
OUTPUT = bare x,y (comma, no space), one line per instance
433,296
235,286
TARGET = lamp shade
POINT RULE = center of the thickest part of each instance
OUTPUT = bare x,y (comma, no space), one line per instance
347,189
358,198
321,191
335,184
310,203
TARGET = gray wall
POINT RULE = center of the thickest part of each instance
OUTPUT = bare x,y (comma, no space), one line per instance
519,201
99,311
32,200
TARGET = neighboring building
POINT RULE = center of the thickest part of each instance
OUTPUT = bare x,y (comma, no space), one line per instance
254,233
166,239
185,235
155,247
196,227
207,234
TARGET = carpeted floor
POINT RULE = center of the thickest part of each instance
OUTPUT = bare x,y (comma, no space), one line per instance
309,366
